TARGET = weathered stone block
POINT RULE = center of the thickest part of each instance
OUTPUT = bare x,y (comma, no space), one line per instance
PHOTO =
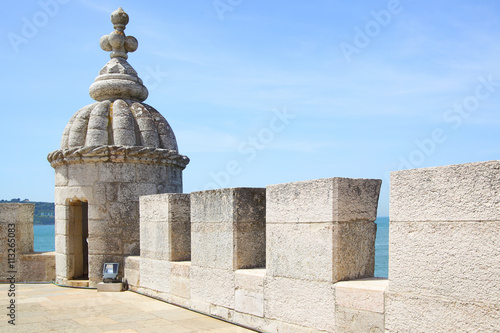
200,306
62,227
61,175
282,327
132,247
301,302
112,192
9,212
121,213
37,267
322,230
323,200
165,226
258,323
365,294
64,244
302,251
229,205
64,265
99,211
21,215
250,244
458,260
465,192
249,205
411,312
128,192
153,208
168,207
61,222
228,228
105,245
212,206
221,312
180,241
131,239
155,240
82,174
321,251
353,250
214,286
16,237
110,287
131,270
212,245
100,193
249,292
99,228
170,187
444,266
180,279
155,274
350,320
150,173
63,195
179,208
250,279
117,172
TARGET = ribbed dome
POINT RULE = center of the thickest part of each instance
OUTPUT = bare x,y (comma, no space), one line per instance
118,123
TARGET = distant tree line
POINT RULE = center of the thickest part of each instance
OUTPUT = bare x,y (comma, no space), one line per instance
44,211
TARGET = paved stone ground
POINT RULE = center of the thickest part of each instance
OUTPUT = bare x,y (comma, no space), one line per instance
49,308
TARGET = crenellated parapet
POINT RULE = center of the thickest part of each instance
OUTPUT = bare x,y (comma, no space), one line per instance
319,239
18,261
268,258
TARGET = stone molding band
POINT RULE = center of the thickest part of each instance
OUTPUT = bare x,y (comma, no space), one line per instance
120,154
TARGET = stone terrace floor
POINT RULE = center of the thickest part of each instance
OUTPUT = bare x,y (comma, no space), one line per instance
49,308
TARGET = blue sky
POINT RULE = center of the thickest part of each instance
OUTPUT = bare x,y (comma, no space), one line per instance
263,92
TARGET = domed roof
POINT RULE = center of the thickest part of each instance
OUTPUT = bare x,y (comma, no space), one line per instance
121,122
119,118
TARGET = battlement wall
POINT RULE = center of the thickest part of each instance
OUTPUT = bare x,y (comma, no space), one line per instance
18,261
318,237
261,257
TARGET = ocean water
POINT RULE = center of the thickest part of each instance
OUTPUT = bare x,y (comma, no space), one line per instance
382,247
45,241
44,238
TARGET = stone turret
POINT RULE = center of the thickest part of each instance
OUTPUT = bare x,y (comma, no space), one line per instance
112,152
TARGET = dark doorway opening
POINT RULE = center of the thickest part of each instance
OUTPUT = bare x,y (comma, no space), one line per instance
80,228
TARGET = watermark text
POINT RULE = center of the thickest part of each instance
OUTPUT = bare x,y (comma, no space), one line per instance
250,147
32,25
11,273
372,29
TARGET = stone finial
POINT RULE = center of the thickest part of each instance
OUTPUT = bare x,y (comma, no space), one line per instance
117,42
117,79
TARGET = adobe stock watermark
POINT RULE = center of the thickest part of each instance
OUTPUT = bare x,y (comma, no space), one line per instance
249,148
31,26
372,29
224,6
454,118
11,273
154,77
